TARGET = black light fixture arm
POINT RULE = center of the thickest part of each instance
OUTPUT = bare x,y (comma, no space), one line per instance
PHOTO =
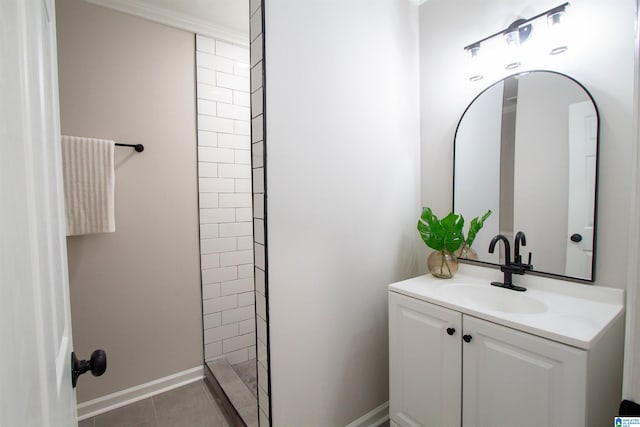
517,24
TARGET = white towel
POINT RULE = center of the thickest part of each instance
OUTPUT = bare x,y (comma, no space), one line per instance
89,182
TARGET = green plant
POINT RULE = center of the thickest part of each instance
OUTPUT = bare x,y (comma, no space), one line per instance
446,235
441,234
474,227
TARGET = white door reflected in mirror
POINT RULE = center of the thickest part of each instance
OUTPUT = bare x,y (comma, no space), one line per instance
583,147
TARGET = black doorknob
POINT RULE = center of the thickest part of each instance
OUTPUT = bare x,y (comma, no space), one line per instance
576,237
97,365
451,331
466,338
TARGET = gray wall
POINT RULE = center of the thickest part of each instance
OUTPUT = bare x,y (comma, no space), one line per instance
478,166
600,56
136,292
342,191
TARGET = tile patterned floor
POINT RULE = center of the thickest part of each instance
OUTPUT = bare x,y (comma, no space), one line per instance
189,406
247,371
242,399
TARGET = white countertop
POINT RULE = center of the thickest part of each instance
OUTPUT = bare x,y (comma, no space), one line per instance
570,313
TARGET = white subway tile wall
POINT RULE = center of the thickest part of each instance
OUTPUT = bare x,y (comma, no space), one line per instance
256,77
224,171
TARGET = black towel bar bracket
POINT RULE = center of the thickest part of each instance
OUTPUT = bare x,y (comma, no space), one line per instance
138,147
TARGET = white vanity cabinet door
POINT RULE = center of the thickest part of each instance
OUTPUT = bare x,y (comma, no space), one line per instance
424,363
515,379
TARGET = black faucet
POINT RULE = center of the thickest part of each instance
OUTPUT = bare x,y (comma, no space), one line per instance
521,239
507,247
508,268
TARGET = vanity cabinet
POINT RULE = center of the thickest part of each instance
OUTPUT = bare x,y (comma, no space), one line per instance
450,369
514,378
425,361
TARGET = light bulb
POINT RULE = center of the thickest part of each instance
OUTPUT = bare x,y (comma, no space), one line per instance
557,38
475,63
512,39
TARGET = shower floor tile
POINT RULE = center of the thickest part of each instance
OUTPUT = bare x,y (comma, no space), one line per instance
242,399
248,373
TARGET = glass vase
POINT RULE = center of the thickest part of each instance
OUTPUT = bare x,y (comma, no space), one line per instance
466,252
442,264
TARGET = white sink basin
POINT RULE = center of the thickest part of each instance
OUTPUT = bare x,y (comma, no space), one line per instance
570,313
489,297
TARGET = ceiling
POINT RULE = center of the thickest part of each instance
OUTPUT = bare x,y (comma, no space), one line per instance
222,19
232,14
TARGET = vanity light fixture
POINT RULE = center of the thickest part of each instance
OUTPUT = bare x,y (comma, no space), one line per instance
516,34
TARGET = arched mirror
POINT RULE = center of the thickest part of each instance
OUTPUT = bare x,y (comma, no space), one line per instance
527,148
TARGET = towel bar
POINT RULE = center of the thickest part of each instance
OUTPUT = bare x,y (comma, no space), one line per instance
138,147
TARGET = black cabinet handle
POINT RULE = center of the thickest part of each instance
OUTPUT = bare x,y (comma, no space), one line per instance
97,365
576,238
467,338
451,331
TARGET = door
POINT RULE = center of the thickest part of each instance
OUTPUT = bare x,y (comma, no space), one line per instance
511,378
35,326
424,363
583,125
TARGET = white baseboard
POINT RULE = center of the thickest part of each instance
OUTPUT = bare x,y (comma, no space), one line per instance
122,398
373,418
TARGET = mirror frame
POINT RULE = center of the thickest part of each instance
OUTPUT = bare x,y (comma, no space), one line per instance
596,184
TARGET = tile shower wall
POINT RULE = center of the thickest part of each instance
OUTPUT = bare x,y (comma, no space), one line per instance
224,172
259,207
